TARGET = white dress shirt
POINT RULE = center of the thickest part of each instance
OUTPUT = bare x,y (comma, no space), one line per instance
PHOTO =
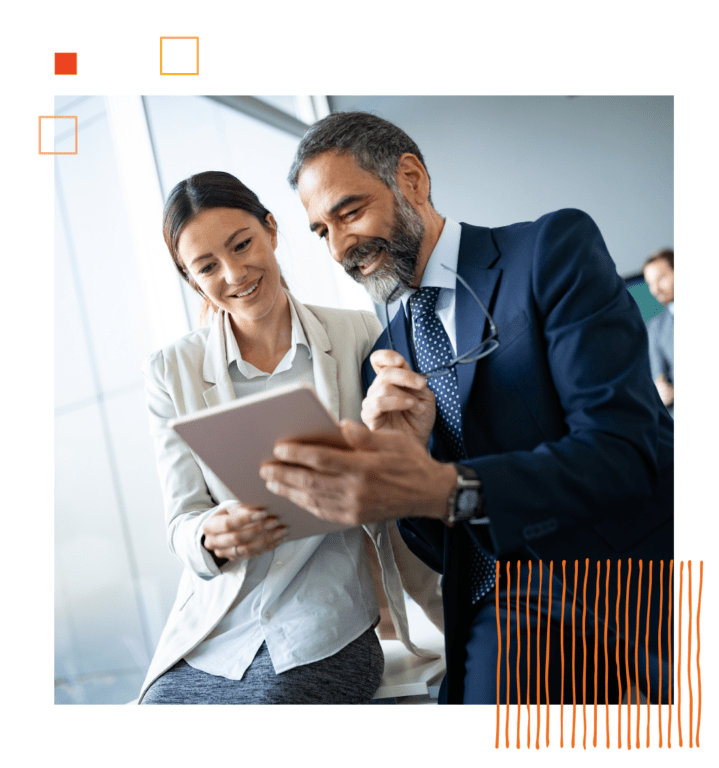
306,599
446,252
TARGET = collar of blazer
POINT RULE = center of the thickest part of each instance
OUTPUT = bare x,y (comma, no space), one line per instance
477,263
324,366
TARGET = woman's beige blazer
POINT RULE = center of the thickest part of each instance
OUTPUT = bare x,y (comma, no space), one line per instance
192,374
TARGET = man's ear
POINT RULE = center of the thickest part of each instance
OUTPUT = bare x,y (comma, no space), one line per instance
413,178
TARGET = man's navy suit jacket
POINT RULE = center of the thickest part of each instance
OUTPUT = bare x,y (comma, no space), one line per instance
562,422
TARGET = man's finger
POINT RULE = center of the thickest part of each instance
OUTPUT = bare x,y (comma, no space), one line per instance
292,481
360,438
399,377
326,507
401,397
357,435
387,358
376,407
323,458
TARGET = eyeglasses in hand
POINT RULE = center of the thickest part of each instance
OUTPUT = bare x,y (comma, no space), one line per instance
487,346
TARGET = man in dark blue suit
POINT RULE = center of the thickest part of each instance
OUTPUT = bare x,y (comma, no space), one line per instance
547,439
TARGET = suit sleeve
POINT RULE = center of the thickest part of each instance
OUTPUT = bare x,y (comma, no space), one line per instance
188,503
596,350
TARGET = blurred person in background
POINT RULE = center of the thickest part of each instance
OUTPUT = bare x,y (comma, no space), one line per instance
659,276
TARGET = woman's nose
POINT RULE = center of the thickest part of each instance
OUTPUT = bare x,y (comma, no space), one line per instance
235,273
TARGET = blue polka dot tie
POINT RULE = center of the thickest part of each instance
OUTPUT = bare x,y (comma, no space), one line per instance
433,349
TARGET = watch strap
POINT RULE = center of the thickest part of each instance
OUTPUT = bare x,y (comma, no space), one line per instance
467,488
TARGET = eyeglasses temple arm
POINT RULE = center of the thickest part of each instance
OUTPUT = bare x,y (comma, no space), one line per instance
492,326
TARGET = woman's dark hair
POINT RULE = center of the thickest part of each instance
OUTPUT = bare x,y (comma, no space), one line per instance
211,189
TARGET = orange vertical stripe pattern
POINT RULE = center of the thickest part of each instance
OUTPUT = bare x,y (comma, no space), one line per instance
606,651
669,651
509,613
499,644
636,651
596,652
574,639
519,654
638,683
619,674
659,644
529,659
546,662
584,653
689,656
679,656
539,622
626,656
699,670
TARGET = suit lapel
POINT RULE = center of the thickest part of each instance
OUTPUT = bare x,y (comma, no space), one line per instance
214,369
401,338
401,335
477,253
324,366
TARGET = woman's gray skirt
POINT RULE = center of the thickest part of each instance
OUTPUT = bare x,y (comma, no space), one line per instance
351,676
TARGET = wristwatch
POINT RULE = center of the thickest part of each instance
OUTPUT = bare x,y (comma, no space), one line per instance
466,503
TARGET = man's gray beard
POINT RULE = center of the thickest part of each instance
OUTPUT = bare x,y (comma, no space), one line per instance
402,247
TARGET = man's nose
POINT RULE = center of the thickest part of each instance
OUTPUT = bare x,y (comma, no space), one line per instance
333,245
338,244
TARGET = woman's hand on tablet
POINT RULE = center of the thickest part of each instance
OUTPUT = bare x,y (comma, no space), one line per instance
238,532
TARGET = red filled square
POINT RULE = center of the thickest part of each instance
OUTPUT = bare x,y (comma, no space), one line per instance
65,63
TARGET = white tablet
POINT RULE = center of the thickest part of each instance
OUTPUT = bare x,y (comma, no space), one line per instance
234,438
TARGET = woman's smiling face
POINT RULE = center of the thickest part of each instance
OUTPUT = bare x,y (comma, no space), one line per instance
230,256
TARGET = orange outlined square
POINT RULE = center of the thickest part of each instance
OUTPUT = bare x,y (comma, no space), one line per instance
65,63
55,117
170,57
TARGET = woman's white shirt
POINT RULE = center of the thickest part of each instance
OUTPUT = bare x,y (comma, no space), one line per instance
307,599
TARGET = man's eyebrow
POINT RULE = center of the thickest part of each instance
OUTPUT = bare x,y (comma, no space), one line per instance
227,245
338,206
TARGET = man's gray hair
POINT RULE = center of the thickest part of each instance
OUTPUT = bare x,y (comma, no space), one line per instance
375,144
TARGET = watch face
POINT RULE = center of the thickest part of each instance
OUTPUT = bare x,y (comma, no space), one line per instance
468,501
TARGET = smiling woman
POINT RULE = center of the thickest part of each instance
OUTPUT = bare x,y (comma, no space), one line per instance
257,619
195,205
223,240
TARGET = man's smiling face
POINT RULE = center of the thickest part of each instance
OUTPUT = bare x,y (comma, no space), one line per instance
372,232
